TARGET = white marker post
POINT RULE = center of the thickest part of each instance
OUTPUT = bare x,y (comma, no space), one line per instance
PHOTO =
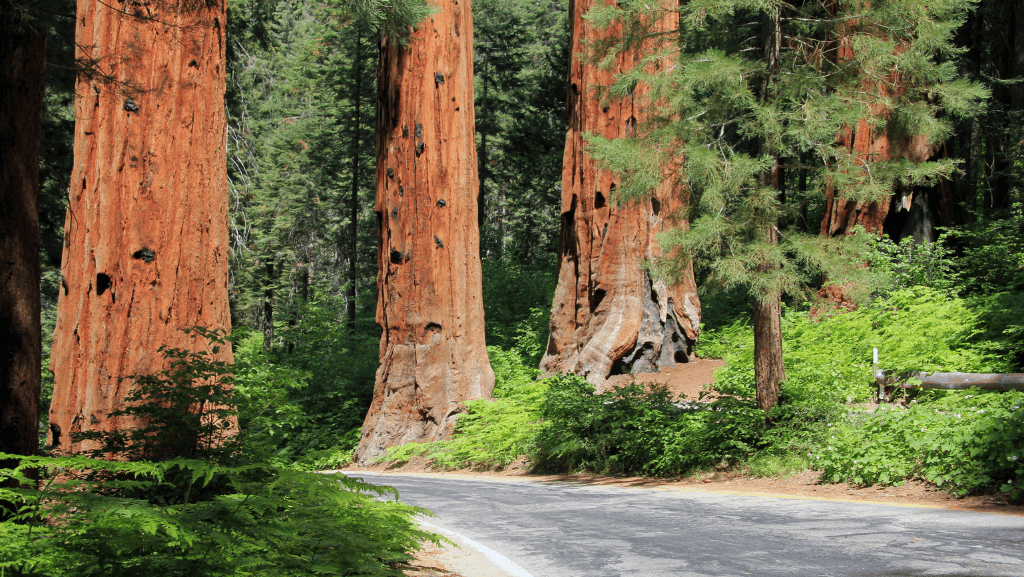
881,382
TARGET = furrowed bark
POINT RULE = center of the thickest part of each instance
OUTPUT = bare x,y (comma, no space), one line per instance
432,352
609,314
22,67
146,238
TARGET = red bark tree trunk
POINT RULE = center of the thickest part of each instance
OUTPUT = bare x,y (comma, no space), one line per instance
609,313
432,352
146,238
22,66
865,143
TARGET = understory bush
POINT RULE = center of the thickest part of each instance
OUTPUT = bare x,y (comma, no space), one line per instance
493,432
183,497
304,399
96,517
637,429
963,441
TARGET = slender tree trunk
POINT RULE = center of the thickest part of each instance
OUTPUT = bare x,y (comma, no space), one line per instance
432,353
353,252
268,307
22,66
769,371
481,209
608,313
146,249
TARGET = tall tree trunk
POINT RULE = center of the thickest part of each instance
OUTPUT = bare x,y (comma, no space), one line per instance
769,370
481,204
146,246
608,313
865,144
432,353
22,65
353,248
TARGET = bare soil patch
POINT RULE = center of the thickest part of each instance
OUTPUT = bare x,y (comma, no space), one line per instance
685,380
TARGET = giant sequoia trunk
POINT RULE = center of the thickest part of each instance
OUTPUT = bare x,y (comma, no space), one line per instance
146,239
609,314
22,63
907,211
432,353
865,143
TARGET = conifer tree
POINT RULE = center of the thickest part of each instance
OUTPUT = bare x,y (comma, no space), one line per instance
22,66
758,88
146,244
432,352
521,55
608,314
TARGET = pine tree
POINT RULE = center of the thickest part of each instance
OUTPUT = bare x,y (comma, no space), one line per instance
759,87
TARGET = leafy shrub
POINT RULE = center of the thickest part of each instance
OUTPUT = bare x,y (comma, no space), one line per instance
492,433
186,410
965,442
304,399
991,253
634,429
269,519
908,263
156,512
517,302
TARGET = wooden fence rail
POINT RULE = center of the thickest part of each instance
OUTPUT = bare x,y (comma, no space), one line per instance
949,381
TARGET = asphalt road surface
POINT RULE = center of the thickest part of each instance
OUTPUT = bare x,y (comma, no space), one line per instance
567,530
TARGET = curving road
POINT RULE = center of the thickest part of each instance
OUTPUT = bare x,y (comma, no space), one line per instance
567,530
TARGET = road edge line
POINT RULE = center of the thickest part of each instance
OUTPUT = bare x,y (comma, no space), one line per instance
498,559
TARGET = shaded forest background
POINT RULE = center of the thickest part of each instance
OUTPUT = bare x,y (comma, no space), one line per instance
301,133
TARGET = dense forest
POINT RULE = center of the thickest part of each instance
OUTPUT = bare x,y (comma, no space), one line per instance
602,189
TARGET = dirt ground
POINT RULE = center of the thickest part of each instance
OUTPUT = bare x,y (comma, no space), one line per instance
683,380
688,380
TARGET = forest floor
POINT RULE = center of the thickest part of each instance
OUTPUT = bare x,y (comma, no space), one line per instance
688,380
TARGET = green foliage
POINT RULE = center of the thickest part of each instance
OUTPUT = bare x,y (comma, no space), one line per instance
392,18
187,500
186,410
87,519
307,403
992,253
521,53
830,358
634,430
908,263
492,433
965,442
517,302
265,392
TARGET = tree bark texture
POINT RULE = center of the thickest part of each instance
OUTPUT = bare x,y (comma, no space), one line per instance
22,66
866,144
769,371
146,237
432,351
609,314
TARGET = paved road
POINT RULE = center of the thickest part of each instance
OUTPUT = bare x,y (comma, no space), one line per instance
566,530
